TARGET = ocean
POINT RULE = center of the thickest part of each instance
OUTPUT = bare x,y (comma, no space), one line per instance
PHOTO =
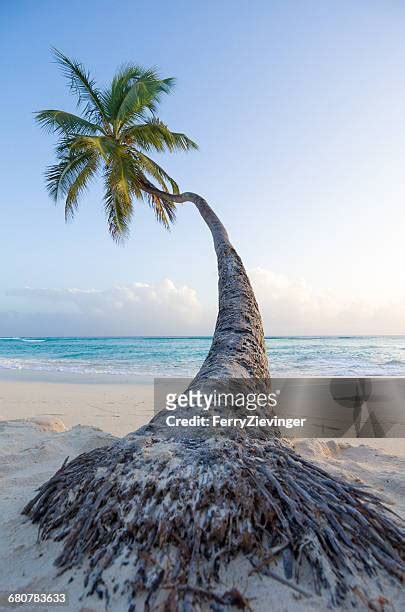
146,357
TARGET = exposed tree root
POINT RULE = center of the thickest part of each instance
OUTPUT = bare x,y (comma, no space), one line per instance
168,515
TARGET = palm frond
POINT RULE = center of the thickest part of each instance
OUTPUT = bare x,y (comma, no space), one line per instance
155,135
164,210
143,95
59,177
79,185
82,85
61,122
121,177
181,142
103,145
123,182
117,214
156,172
118,89
134,91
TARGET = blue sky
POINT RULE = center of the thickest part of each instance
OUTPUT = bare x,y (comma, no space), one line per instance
298,108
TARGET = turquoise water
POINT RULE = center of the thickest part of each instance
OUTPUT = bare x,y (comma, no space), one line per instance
174,356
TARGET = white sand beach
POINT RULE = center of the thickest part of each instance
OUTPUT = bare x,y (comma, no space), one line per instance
114,408
43,423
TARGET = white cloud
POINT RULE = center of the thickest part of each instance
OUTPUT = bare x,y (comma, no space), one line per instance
135,309
291,307
288,307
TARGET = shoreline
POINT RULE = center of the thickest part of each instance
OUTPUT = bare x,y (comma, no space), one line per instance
72,378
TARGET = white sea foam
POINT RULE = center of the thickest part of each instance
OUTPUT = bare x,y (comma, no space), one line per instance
18,338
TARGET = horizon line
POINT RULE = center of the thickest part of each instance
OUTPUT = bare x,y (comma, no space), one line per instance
206,336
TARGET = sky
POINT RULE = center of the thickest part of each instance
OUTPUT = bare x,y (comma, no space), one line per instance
299,112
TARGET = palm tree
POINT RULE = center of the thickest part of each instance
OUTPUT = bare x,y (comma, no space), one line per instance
171,510
114,137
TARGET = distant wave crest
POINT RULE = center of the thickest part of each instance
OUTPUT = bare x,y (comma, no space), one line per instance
30,340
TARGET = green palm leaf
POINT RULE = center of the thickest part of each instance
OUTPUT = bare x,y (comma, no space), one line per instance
118,89
143,95
79,185
103,145
156,172
61,176
154,134
118,214
60,122
82,85
165,210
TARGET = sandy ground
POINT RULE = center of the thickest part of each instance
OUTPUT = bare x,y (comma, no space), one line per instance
43,423
115,408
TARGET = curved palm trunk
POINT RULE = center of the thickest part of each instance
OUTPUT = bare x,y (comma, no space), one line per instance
238,348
